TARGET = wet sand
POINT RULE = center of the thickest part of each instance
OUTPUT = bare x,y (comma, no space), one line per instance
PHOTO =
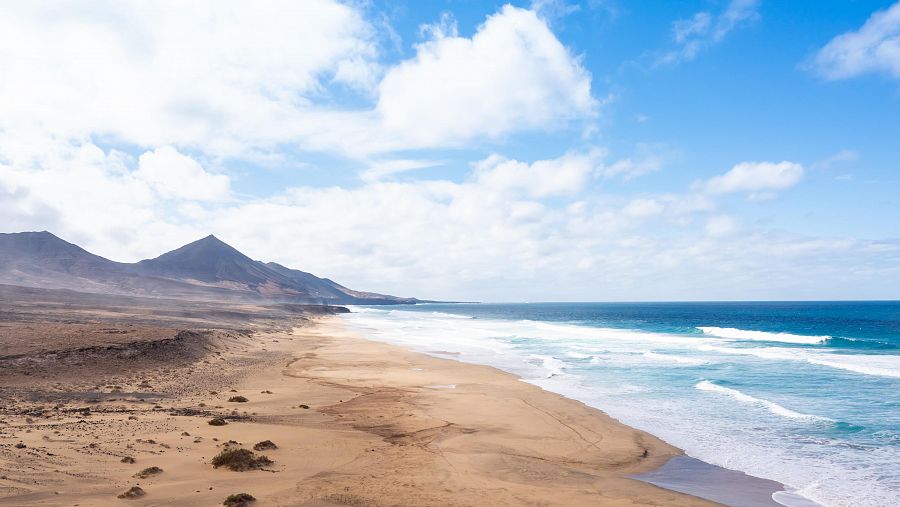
355,423
695,477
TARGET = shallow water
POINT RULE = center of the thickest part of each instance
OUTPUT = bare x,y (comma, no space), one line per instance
698,478
806,394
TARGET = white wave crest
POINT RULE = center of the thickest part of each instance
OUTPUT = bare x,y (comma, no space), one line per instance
865,364
731,333
881,366
553,365
771,406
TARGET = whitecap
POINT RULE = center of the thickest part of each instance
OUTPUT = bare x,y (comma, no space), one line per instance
553,365
866,364
731,333
771,406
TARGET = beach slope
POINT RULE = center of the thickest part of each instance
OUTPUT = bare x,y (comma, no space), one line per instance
353,422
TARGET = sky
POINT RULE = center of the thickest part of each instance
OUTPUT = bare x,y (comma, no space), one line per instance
595,150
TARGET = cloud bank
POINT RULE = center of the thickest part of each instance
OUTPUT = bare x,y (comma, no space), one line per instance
121,125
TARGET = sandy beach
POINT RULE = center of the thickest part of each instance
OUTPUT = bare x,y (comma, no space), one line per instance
353,422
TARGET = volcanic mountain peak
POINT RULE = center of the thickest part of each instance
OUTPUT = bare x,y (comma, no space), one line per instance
46,248
209,259
204,269
204,249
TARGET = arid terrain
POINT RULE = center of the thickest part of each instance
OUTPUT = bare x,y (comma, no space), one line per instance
108,401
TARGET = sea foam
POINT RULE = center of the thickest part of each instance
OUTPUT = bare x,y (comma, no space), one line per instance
864,364
771,406
552,365
731,333
649,379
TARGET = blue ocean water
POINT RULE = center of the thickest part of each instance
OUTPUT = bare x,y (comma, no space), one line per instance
804,393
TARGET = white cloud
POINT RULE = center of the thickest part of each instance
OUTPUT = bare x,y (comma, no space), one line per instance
92,195
737,12
648,158
873,48
172,174
513,74
704,29
685,29
494,235
213,75
644,207
757,178
182,85
381,169
721,225
543,178
841,157
554,9
230,79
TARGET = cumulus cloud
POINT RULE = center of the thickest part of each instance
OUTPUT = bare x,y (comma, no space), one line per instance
94,195
175,175
232,79
697,33
874,48
513,74
118,121
543,178
502,232
213,75
756,178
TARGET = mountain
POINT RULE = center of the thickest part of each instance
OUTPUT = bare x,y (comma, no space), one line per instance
40,259
325,288
207,269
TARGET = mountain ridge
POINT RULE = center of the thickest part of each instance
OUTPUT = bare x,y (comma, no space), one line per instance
207,269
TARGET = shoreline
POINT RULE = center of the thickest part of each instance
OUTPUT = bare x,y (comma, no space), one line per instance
681,472
559,450
355,422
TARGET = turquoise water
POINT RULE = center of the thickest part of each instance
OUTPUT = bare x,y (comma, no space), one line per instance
807,394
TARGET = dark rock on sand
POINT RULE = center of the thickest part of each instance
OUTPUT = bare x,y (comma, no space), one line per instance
134,492
265,445
239,500
148,472
240,460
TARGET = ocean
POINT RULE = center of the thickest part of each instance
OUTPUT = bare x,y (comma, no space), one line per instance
803,393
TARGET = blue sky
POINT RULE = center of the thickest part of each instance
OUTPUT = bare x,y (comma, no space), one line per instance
595,150
749,97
